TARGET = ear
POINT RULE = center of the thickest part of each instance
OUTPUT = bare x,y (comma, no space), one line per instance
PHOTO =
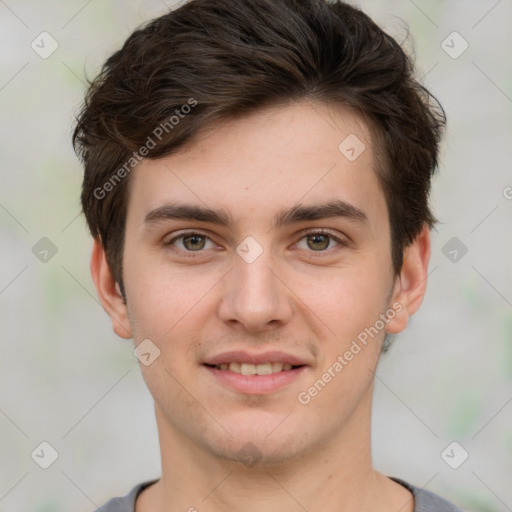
411,283
108,292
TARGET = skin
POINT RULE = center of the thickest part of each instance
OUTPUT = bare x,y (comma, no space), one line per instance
303,295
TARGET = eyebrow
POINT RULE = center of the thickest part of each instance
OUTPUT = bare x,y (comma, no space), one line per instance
294,215
331,209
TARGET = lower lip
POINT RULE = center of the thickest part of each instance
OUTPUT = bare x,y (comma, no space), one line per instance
256,384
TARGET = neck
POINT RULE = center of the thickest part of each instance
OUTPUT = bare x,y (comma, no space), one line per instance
336,476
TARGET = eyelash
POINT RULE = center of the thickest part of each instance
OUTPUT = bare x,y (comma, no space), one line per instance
309,232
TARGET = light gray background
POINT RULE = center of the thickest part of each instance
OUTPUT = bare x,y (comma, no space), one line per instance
67,380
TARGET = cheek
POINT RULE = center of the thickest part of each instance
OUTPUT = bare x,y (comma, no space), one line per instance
161,298
348,300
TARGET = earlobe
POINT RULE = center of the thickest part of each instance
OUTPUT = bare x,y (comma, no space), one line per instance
109,292
411,283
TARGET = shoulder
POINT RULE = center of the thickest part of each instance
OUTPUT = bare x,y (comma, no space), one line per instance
426,501
125,503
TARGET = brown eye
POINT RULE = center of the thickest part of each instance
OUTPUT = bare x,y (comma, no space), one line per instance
191,242
194,242
318,242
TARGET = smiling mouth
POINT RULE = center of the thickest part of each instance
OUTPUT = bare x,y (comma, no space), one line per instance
254,369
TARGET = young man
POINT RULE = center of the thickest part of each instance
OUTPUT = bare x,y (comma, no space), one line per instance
256,182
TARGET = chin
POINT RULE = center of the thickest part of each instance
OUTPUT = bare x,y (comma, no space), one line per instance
254,454
258,445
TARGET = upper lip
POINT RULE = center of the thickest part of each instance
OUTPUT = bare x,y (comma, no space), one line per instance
241,356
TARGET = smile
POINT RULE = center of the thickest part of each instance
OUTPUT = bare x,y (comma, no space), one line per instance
255,369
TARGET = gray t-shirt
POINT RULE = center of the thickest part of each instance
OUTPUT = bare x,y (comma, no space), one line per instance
425,501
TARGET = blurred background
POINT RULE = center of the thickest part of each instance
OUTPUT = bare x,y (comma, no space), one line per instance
443,399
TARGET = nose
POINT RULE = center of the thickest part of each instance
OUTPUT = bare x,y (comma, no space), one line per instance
254,296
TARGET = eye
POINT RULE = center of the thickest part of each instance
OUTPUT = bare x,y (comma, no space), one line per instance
191,242
318,241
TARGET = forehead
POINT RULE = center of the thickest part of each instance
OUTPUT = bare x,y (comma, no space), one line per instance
301,153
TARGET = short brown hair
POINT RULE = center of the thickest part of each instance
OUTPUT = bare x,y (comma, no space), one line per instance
226,58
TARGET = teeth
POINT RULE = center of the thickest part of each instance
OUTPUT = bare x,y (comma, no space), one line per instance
264,369
247,369
234,367
277,367
255,369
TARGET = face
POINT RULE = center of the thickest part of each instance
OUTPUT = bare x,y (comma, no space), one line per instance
257,261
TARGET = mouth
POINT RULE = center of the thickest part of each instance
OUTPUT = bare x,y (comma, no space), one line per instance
255,374
255,369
